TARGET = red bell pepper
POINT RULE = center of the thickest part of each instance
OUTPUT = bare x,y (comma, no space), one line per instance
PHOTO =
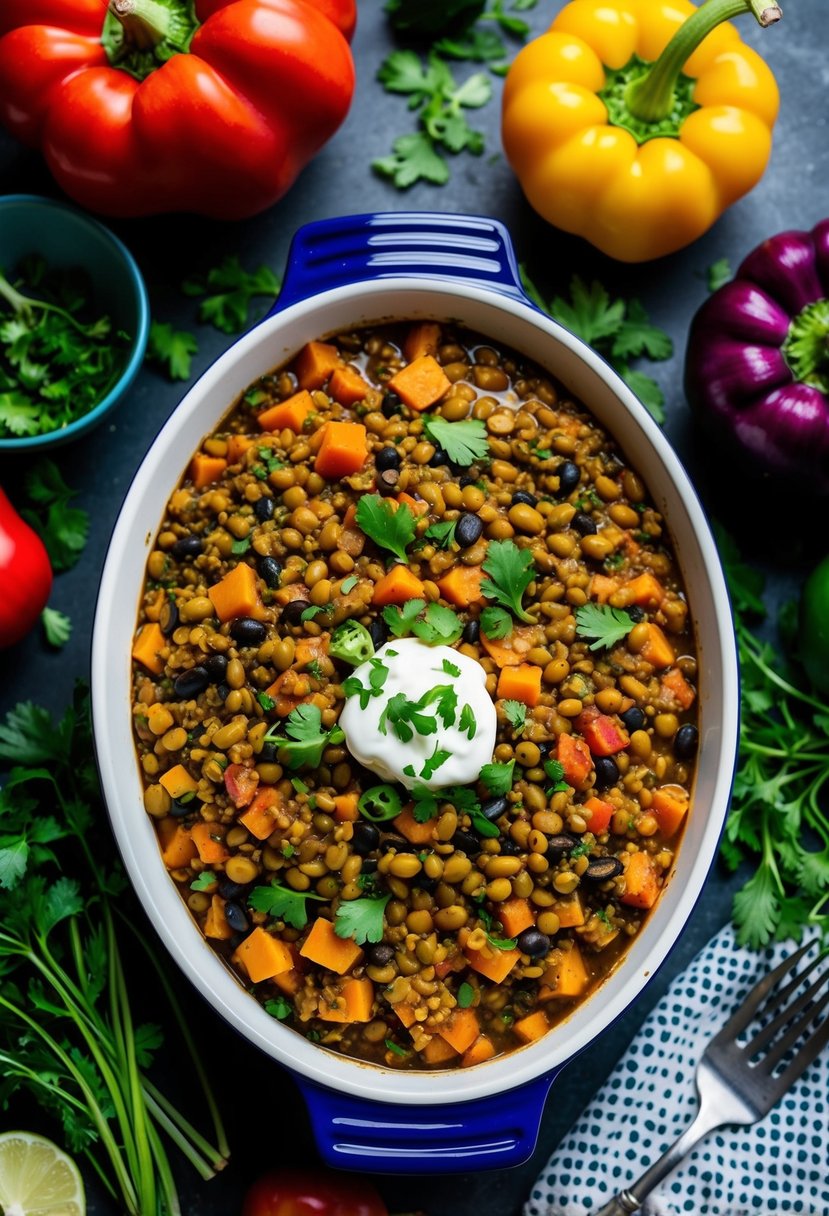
602,735
25,575
317,1193
212,106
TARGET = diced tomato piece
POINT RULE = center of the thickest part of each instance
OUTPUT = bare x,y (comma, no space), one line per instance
573,755
601,734
241,783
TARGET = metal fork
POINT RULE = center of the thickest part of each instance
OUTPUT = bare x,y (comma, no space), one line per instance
739,1083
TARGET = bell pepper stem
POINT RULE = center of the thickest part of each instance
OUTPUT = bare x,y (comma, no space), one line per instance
145,22
650,98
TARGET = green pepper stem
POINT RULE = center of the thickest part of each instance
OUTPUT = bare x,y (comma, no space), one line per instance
650,98
145,22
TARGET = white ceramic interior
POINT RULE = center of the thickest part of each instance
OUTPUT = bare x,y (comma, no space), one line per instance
586,376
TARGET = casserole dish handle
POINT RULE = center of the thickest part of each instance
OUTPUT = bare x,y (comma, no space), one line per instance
487,1133
428,245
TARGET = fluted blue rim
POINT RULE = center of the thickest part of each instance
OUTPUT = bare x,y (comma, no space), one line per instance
133,276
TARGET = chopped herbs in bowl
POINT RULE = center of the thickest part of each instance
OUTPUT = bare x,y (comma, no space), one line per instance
73,322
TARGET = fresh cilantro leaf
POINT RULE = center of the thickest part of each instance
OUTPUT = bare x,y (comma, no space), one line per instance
516,714
62,528
57,626
313,610
510,571
555,771
206,881
745,584
14,857
278,1007
391,528
306,739
240,546
438,626
463,442
496,623
228,291
265,701
413,159
361,919
437,759
466,995
475,46
451,669
405,717
467,722
400,620
607,625
647,390
497,777
636,337
172,348
719,273
442,534
590,314
282,903
756,910
426,805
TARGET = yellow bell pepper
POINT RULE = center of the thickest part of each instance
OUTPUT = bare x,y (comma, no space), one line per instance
636,123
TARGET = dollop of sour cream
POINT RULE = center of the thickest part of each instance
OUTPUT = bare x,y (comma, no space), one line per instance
420,715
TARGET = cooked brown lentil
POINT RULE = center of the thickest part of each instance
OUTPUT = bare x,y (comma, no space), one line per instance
486,940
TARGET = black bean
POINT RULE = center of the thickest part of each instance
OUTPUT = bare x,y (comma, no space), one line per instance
494,809
533,942
635,613
369,865
387,458
633,718
379,632
465,842
179,809
607,772
438,459
510,848
524,496
235,917
187,546
270,571
387,482
569,476
469,478
468,530
583,524
599,869
380,955
293,610
424,883
267,754
563,842
222,692
190,683
471,632
248,632
392,405
686,741
263,508
231,890
168,617
398,844
365,838
216,667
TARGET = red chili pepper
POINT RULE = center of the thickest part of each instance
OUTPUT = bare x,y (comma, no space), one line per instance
141,109
25,575
602,735
294,1193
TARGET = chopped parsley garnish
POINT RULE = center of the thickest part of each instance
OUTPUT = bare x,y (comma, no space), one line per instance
314,669
441,534
555,771
463,442
241,546
438,758
496,623
265,701
352,687
173,349
466,995
282,903
510,571
427,803
438,626
467,722
516,714
607,625
306,739
450,668
204,881
313,610
482,825
583,847
400,620
390,526
228,291
497,777
361,919
405,717
278,1007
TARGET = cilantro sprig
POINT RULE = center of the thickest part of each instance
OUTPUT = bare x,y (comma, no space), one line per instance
172,349
463,442
306,739
620,330
282,903
227,292
605,624
510,571
62,527
433,624
390,526
361,919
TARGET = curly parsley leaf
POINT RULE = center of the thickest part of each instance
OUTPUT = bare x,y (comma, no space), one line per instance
306,739
172,349
605,624
497,777
282,903
390,527
361,919
516,714
57,627
228,291
496,623
463,442
510,571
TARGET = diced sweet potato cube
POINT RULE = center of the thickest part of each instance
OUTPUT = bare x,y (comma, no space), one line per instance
354,1003
289,982
408,826
147,648
601,813
209,843
438,1051
657,650
494,964
422,339
461,1029
532,1027
345,807
179,850
237,445
573,755
566,978
569,911
204,469
398,586
462,586
237,594
522,683
670,806
289,414
260,817
682,692
602,587
405,1012
178,782
644,590
641,886
481,1050
343,449
420,383
515,915
418,505
215,922
324,947
262,956
512,650
315,363
347,386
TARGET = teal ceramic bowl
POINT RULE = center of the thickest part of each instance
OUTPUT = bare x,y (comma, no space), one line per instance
66,237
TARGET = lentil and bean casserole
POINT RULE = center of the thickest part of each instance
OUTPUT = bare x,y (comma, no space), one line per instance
431,876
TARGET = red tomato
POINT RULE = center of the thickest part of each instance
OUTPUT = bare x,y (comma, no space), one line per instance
294,1193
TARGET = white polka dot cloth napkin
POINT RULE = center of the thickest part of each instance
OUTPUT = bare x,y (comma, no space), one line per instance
778,1165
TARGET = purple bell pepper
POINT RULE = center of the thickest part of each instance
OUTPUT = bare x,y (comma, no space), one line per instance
757,362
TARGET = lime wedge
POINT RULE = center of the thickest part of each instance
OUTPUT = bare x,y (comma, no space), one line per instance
37,1178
